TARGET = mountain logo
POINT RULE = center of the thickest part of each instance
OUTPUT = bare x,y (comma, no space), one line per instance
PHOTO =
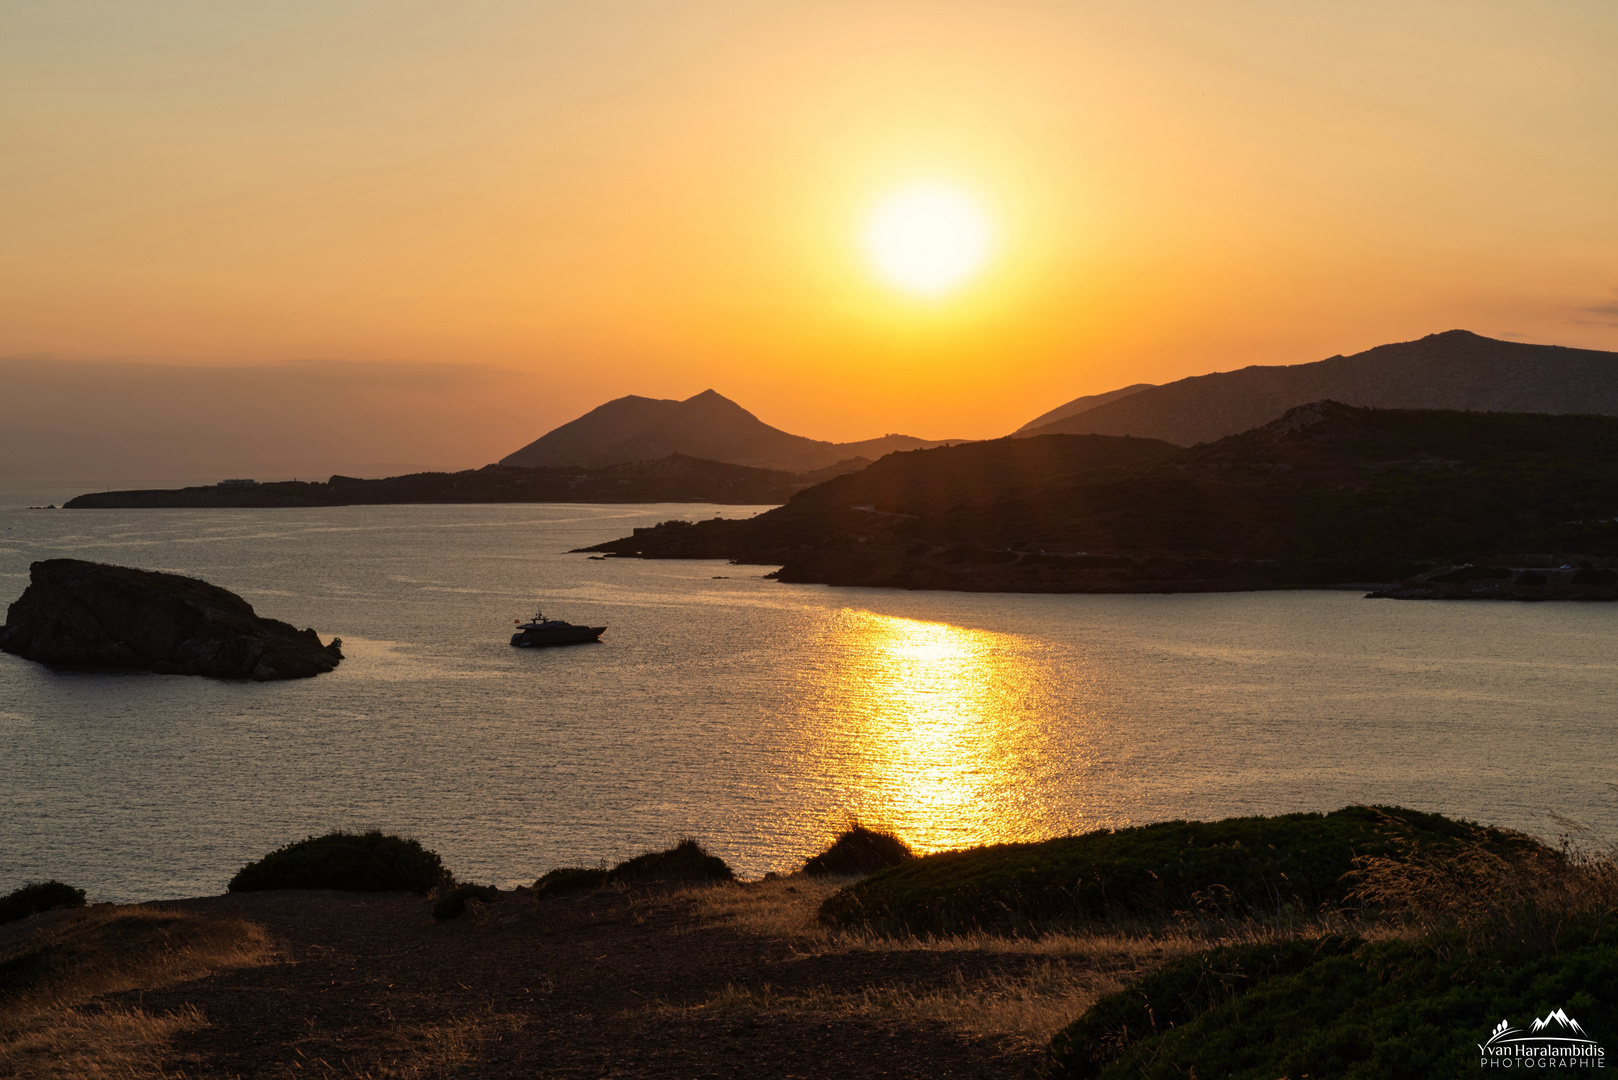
1560,1017
1555,1040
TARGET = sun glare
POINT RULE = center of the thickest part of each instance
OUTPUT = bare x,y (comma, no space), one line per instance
928,239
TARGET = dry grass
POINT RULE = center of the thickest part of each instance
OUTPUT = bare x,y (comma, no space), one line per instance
1027,1005
415,1051
1528,892
47,977
71,1044
1029,1008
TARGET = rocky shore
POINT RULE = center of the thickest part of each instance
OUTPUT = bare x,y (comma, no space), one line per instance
96,617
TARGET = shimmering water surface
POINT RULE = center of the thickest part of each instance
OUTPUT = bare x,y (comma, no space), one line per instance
756,716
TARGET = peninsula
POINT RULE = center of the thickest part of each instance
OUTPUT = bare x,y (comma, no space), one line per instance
675,478
1328,494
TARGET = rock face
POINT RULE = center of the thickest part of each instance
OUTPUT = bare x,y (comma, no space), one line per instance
87,615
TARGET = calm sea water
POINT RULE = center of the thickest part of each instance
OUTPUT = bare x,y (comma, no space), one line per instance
756,716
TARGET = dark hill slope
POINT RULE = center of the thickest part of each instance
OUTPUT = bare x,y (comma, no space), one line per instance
1453,370
1079,405
676,478
706,426
1327,494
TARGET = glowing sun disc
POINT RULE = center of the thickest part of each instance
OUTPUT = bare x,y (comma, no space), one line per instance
928,239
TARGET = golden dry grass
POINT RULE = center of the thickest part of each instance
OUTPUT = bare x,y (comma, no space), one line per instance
1075,966
47,977
71,1044
1029,1008
1074,969
414,1051
1527,891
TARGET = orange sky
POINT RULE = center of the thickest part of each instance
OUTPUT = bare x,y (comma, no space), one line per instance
657,198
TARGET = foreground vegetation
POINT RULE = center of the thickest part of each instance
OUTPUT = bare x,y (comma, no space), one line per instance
39,897
357,862
1288,867
1338,1007
1367,942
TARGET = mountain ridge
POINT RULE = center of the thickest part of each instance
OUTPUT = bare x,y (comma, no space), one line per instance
706,425
1453,370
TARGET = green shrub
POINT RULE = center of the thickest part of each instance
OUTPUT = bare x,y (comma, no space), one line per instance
453,903
566,879
1270,867
1337,1007
859,850
41,896
356,862
685,861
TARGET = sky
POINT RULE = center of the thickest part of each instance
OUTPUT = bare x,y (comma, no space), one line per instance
490,216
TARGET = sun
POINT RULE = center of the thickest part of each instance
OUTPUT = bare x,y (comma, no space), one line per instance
928,239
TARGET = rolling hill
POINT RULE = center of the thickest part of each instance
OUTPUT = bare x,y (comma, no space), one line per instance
1453,370
1328,494
709,426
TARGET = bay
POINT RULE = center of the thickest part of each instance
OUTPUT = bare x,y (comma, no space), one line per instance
756,716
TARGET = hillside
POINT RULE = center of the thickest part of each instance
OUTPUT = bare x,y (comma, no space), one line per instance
1082,404
1327,494
1453,370
675,478
708,425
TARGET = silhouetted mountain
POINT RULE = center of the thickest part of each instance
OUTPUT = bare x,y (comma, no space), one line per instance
1453,370
706,426
1326,494
676,478
1082,404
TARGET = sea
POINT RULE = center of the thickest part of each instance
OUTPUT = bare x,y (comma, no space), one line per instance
758,717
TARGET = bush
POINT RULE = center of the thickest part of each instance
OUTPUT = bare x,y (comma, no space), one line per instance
453,904
566,879
1237,868
42,896
356,862
685,861
859,850
1336,1007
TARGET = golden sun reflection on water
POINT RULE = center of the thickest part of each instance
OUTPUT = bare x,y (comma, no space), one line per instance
935,732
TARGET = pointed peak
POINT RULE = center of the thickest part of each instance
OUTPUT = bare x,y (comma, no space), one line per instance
705,396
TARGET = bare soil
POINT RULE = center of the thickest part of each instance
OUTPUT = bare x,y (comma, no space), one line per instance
618,983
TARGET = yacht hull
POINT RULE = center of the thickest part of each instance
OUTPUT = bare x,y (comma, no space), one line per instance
571,635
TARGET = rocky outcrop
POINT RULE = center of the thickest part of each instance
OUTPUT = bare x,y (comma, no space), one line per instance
1584,582
86,615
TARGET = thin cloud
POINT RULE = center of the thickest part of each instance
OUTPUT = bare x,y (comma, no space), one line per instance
1608,311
